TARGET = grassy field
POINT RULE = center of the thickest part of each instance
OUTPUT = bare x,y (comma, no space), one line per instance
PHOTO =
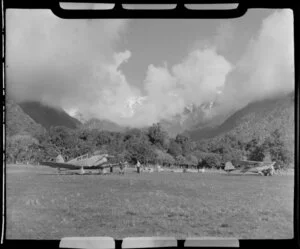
44,205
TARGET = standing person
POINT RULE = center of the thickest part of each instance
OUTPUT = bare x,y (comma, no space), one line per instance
138,166
185,167
121,168
125,166
199,164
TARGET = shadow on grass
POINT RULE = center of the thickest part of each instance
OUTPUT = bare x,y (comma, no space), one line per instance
243,174
76,173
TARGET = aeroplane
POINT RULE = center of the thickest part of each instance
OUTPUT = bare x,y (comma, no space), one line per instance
262,168
83,162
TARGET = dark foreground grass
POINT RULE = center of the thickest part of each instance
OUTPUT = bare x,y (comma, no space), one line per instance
44,205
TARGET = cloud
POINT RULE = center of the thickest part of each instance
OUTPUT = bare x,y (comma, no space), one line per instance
201,75
266,69
74,64
195,80
71,64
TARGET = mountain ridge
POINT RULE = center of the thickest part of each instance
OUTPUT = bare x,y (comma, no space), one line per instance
18,122
255,121
102,124
48,116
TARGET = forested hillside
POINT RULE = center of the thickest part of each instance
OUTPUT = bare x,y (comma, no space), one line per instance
102,125
261,130
257,119
18,122
48,116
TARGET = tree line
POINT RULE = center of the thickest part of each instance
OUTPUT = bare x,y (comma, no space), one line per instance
148,146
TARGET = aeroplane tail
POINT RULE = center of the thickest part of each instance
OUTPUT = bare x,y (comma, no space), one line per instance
229,167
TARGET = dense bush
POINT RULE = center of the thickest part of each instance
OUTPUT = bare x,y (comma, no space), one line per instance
164,158
20,148
192,160
208,160
184,142
139,150
275,147
181,160
158,137
232,155
212,160
174,148
150,145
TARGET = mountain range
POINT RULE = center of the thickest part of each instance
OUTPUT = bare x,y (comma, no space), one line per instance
256,119
18,122
192,118
48,116
104,125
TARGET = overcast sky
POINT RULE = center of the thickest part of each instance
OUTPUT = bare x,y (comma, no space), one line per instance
101,67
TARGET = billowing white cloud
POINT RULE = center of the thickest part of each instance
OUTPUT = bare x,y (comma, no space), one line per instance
201,75
266,69
195,80
74,64
67,63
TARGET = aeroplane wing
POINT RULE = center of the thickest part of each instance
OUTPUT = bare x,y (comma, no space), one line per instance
245,166
104,166
60,165
255,166
264,168
84,161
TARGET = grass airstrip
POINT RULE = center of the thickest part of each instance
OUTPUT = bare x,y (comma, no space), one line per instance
42,204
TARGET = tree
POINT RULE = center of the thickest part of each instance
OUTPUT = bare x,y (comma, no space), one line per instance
158,136
202,145
185,143
174,148
18,147
275,147
257,153
212,160
232,155
117,144
254,150
208,160
164,158
60,137
192,160
139,150
70,143
120,157
181,160
232,141
102,138
135,133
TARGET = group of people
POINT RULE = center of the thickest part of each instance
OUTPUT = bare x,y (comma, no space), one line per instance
139,167
124,165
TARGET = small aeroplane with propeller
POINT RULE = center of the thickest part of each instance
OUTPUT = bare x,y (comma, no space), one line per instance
243,166
87,161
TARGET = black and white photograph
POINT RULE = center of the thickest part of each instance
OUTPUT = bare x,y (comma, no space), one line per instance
149,127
